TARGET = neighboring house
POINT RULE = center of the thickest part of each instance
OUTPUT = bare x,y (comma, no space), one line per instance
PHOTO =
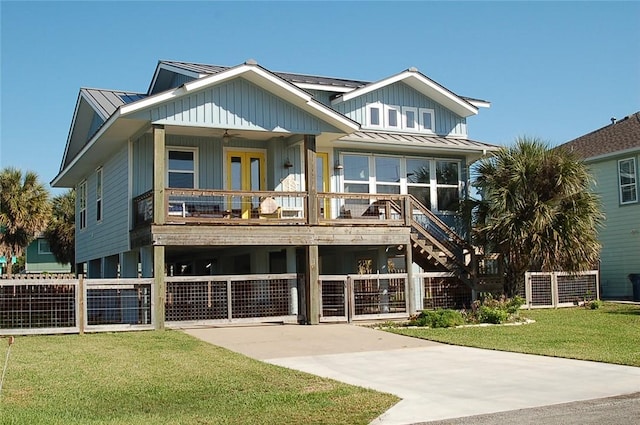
39,259
240,170
613,156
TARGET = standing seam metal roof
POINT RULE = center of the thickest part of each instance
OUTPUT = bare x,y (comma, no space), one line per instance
415,139
107,101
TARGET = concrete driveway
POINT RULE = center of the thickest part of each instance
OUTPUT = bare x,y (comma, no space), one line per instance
435,381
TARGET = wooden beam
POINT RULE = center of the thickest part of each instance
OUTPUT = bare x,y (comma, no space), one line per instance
159,286
312,285
158,174
310,178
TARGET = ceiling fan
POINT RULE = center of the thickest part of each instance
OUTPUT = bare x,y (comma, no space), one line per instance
226,137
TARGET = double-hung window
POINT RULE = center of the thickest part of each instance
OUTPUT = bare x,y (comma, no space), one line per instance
387,174
627,177
419,179
356,173
99,194
182,168
82,202
43,246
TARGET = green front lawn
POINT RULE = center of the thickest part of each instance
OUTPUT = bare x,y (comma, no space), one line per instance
166,378
610,334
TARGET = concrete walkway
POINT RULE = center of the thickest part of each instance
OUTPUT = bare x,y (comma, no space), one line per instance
435,381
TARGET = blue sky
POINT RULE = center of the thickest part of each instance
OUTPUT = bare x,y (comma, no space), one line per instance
555,70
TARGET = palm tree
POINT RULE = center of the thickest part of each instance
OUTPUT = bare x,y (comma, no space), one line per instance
537,210
24,211
61,230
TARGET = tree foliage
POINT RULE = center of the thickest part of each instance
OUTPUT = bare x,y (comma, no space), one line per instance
24,210
537,210
61,230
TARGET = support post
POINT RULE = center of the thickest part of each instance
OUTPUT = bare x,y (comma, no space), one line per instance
411,284
82,320
312,288
158,174
311,173
160,287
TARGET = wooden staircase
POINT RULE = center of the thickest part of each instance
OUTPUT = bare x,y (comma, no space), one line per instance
437,247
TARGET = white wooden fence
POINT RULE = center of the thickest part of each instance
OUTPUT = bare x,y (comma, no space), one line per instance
560,289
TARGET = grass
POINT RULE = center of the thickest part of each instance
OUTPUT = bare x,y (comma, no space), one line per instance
610,334
166,378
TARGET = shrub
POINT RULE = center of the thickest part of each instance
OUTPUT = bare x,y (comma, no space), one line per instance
497,310
441,318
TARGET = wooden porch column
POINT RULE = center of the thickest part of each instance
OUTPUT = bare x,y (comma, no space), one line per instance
310,175
312,286
411,284
159,286
158,174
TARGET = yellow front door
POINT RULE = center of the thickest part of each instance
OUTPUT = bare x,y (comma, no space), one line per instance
245,172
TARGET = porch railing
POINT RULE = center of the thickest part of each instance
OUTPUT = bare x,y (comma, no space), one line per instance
200,206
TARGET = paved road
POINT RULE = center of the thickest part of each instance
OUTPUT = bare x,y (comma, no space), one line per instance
620,410
435,381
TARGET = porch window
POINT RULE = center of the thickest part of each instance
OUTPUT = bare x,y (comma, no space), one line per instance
356,173
448,185
628,181
99,194
181,168
387,174
419,180
82,202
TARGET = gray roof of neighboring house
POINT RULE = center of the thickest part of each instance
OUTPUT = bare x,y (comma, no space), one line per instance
622,135
417,140
107,101
292,78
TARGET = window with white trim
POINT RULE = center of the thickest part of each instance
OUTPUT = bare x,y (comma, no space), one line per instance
82,202
434,182
627,178
392,117
182,169
409,118
43,246
374,115
427,120
99,194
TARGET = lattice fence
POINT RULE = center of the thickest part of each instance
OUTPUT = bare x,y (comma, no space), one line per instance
440,291
560,289
203,299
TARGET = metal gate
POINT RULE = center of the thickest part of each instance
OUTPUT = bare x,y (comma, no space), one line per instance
363,297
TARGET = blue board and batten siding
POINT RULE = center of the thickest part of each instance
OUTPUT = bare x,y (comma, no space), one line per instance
620,237
447,123
212,163
236,105
113,230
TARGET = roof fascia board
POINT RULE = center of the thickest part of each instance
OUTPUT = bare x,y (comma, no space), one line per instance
419,82
163,65
610,155
91,103
479,103
322,87
71,129
88,146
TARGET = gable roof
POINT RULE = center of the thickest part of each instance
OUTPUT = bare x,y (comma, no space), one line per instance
620,136
105,102
304,81
422,84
